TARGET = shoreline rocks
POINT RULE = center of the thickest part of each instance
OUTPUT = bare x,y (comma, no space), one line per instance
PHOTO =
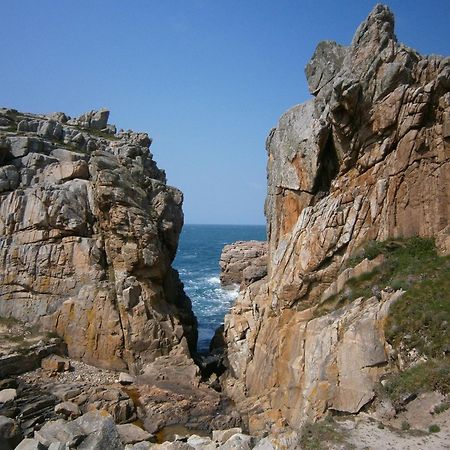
243,262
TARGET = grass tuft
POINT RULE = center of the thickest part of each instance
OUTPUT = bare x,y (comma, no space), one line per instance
318,435
434,428
438,409
433,375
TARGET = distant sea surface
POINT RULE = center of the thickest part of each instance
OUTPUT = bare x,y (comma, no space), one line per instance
198,264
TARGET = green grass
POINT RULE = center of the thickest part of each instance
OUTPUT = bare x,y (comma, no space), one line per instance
8,321
418,323
438,409
412,265
405,426
317,436
370,251
97,133
433,375
434,428
12,128
420,319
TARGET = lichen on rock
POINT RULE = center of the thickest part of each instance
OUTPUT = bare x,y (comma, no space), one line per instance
88,231
368,158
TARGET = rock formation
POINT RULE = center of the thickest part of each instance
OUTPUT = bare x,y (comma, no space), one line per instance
243,262
88,231
366,159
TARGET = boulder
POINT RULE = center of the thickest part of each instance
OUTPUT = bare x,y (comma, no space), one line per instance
131,434
30,444
238,441
126,378
10,433
243,262
90,431
221,436
70,433
55,363
201,442
68,410
7,395
58,446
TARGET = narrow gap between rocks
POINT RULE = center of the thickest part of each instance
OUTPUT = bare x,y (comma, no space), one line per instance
328,167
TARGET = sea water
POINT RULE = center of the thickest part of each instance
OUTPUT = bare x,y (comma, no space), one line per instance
197,262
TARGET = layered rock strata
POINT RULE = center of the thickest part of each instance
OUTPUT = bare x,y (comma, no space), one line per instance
243,262
88,231
366,159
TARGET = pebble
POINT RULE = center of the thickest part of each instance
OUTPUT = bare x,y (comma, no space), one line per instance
6,395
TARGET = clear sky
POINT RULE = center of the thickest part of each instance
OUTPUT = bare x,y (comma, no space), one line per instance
207,79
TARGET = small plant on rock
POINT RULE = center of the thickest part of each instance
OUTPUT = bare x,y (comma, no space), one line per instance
434,428
405,426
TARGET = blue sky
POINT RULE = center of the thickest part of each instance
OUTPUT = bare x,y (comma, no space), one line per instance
207,79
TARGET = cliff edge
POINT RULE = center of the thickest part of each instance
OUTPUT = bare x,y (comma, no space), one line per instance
367,159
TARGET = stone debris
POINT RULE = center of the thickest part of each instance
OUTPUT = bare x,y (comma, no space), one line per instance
125,378
68,409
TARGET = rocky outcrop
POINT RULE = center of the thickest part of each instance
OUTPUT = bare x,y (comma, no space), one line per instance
243,262
366,159
88,231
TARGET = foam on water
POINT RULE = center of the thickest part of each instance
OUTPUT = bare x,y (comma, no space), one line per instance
197,262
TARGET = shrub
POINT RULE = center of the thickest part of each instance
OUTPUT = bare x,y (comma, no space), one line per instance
405,426
438,409
434,428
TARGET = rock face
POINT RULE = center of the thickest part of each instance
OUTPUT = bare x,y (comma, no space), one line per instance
243,262
88,231
367,158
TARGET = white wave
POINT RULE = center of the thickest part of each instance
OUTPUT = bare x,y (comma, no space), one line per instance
213,280
226,296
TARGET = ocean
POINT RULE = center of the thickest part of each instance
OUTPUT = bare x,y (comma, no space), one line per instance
197,261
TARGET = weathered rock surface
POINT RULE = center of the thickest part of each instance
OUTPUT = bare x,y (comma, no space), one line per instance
367,158
93,430
131,434
22,348
10,433
170,392
88,231
55,363
243,262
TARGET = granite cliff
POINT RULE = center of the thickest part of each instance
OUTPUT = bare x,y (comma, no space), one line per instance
88,231
368,158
